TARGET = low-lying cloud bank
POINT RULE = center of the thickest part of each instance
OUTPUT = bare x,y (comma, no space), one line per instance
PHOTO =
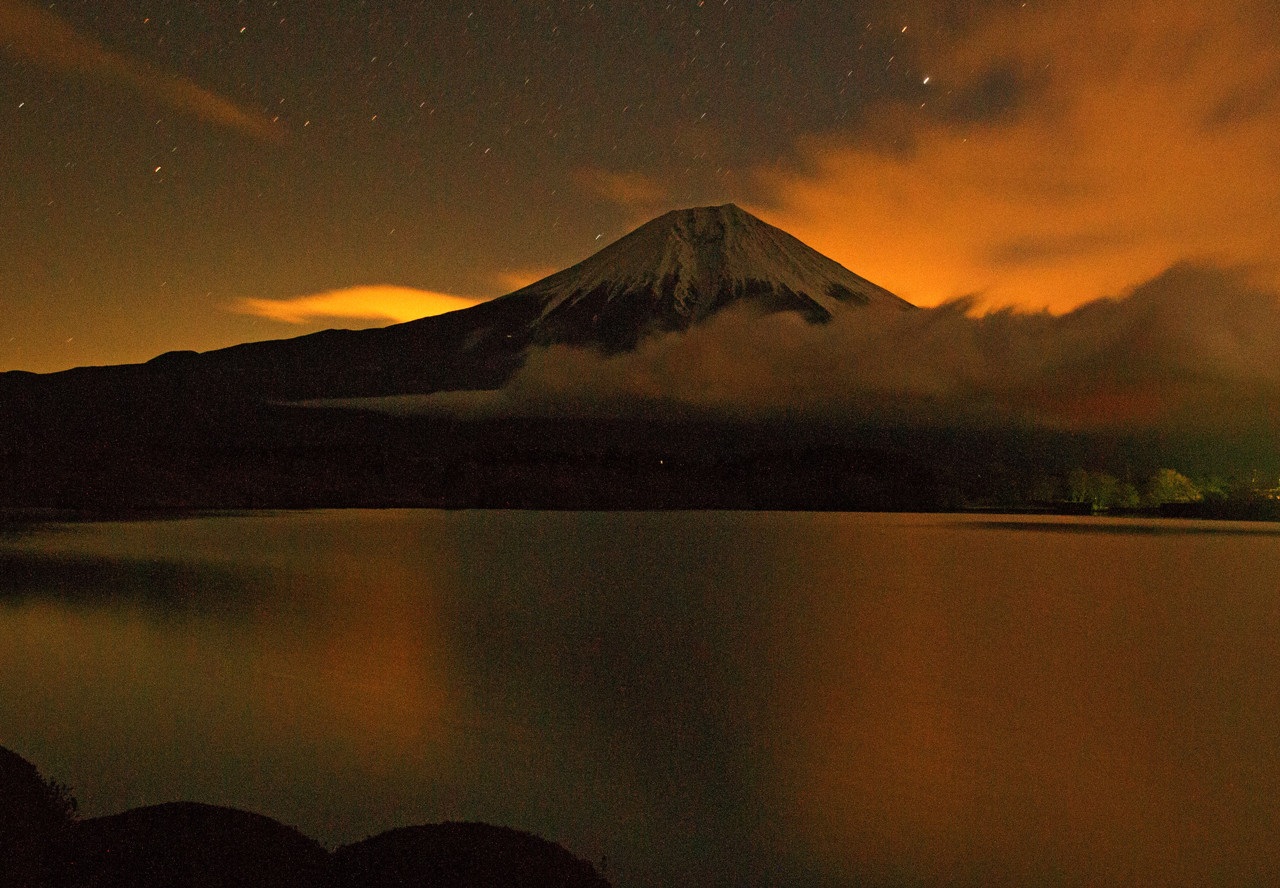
1197,348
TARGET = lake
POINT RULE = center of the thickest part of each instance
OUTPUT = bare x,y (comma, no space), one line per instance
698,699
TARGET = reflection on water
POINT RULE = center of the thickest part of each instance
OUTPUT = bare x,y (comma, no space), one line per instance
705,698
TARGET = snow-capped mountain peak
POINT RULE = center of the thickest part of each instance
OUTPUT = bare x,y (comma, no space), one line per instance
682,267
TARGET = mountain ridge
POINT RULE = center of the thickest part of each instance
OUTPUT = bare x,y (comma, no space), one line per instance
669,274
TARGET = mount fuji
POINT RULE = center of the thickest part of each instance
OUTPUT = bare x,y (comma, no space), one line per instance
667,275
681,268
289,423
227,428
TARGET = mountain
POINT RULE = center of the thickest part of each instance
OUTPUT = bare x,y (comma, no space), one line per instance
669,274
218,430
224,429
683,267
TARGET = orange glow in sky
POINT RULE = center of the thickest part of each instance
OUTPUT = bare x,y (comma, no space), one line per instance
1151,138
383,303
200,179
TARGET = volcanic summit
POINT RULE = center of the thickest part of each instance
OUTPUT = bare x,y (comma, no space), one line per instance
682,267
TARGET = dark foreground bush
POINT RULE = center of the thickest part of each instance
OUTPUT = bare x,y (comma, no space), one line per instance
34,815
190,845
460,855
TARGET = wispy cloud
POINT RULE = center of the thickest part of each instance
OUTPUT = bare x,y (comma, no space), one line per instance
632,190
43,38
378,303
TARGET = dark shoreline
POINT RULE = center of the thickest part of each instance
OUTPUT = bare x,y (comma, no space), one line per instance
17,519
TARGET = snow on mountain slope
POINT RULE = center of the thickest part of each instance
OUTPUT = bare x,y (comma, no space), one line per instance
682,267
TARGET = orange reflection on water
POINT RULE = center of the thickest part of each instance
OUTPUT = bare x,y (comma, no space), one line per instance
1092,726
332,647
384,668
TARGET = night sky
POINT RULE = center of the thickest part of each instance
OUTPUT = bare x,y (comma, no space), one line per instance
188,175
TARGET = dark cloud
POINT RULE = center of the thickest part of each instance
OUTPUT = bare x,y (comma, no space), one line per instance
1034,250
1245,103
997,94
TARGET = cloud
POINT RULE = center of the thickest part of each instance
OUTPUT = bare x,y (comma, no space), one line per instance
631,190
381,303
46,40
1194,348
1063,151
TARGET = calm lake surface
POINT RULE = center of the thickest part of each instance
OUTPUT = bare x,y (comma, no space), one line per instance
706,699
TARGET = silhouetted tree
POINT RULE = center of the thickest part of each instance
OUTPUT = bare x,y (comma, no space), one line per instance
1212,488
34,816
1169,486
1078,486
1047,489
1126,496
1099,489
